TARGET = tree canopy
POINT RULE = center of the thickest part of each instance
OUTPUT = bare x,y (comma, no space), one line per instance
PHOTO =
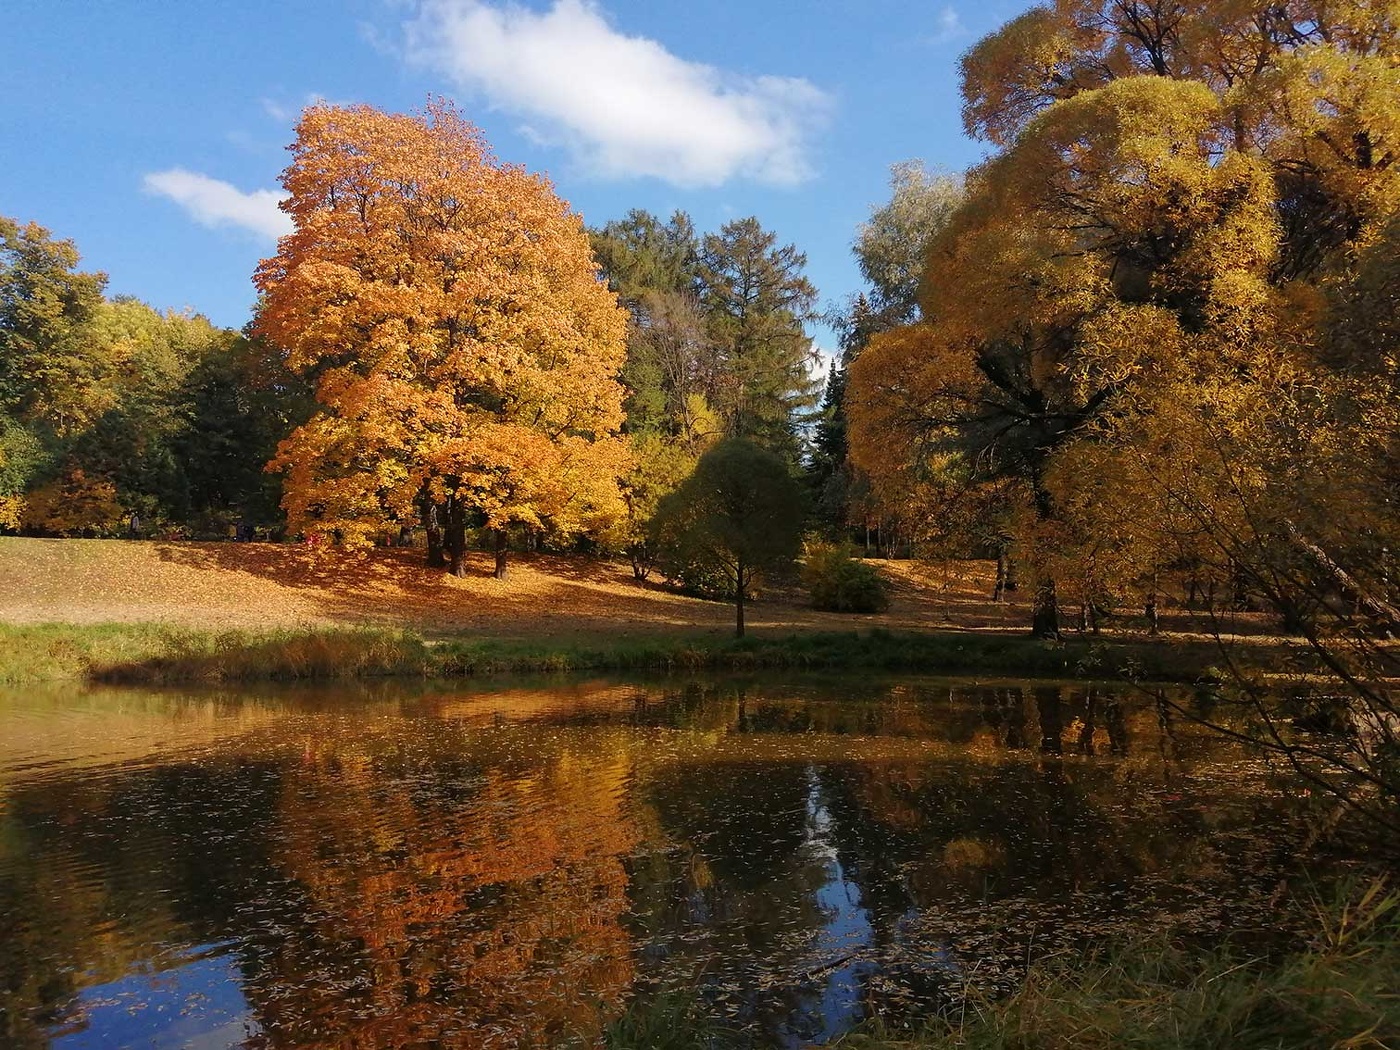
1150,245
107,417
739,515
449,312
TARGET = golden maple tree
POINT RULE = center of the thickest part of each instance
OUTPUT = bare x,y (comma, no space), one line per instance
464,351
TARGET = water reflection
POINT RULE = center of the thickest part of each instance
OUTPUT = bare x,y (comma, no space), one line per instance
479,867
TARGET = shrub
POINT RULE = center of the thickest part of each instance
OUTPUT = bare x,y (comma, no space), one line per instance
838,582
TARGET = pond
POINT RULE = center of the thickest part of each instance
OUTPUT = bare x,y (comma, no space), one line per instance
508,864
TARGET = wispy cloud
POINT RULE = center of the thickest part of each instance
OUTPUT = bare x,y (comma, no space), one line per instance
214,203
948,26
288,112
279,111
624,105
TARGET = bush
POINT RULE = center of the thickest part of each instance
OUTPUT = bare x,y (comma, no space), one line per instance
838,582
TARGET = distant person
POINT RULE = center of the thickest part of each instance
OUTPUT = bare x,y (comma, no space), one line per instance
133,527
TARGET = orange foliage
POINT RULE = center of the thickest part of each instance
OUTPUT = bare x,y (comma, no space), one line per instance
449,310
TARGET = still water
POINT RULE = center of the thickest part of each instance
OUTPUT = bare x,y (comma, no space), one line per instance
509,865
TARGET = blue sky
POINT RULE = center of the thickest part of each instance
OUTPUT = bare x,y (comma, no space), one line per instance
153,133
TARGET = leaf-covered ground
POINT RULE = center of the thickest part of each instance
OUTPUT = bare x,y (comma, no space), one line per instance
246,585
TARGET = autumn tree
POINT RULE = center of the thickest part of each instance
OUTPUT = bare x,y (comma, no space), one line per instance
463,350
738,516
48,371
49,376
99,412
890,249
1175,188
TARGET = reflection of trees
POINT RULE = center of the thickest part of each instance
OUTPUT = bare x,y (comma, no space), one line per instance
1028,837
1053,826
381,892
493,922
104,874
484,869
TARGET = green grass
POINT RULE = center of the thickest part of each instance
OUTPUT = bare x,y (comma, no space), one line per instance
1343,991
155,654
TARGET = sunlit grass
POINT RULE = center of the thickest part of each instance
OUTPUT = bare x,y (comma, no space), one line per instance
153,654
1343,991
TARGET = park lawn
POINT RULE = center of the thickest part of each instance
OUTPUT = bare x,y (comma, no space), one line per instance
174,611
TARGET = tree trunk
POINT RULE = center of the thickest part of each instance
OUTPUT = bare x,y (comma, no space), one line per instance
455,539
1000,587
739,601
1085,743
1045,618
1153,620
1045,609
502,547
432,526
1052,725
1239,586
641,561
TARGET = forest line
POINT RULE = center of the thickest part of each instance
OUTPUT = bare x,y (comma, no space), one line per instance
1151,338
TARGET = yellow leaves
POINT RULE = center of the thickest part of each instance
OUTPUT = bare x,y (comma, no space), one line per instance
75,504
515,475
12,510
906,385
1011,74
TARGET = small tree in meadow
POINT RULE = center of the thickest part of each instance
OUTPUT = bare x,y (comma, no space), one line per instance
739,515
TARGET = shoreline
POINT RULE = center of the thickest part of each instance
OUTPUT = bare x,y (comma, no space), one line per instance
162,654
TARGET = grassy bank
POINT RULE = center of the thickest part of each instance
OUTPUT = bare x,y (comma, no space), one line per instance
1342,992
161,655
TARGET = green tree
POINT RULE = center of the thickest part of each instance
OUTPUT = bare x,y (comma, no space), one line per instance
654,269
739,515
49,372
639,254
241,401
891,246
757,303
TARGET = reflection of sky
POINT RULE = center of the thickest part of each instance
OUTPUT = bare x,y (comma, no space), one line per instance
198,1005
845,928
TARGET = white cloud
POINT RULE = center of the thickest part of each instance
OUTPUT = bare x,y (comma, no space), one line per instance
212,202
948,26
819,364
624,104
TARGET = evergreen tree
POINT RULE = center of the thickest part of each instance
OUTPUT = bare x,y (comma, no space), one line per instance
757,302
